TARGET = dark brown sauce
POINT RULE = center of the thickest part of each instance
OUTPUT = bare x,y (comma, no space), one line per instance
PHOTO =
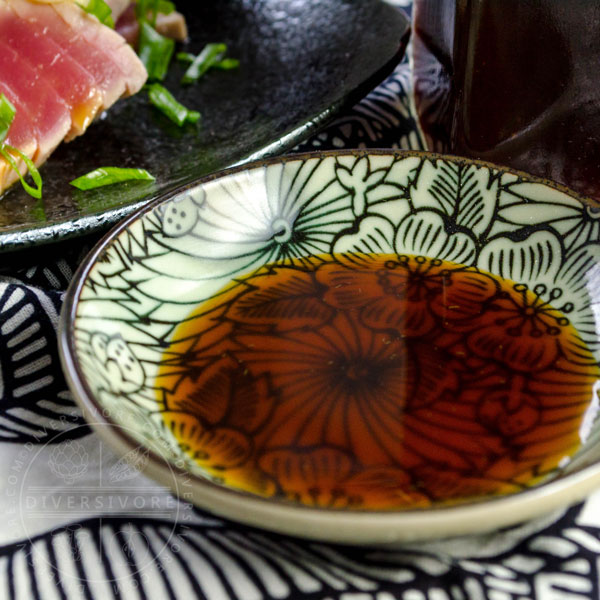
513,82
398,381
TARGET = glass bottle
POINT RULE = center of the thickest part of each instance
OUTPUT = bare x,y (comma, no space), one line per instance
515,82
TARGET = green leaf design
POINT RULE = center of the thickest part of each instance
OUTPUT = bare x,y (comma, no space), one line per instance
465,193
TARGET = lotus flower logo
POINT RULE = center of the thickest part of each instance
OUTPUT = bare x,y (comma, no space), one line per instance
69,461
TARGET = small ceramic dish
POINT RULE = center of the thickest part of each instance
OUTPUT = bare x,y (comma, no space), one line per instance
357,347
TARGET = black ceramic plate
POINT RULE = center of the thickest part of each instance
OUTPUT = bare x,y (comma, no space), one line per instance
301,62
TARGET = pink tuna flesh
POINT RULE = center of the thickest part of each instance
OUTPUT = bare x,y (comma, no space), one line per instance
101,51
48,111
70,80
22,135
60,67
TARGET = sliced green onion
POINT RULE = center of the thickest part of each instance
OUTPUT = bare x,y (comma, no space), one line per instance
155,51
162,99
226,64
151,9
7,115
107,176
100,10
185,57
36,191
211,53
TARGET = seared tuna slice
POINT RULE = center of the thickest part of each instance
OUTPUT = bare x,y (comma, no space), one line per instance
60,67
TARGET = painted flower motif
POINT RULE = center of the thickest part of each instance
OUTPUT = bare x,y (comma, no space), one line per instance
188,357
434,405
121,370
285,213
111,262
528,257
464,194
427,233
447,483
510,411
408,294
526,203
373,234
292,303
223,453
225,394
328,478
313,476
329,377
521,331
214,448
179,216
339,383
359,180
213,415
295,331
576,293
394,297
385,487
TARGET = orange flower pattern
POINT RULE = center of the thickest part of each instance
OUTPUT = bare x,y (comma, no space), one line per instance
396,381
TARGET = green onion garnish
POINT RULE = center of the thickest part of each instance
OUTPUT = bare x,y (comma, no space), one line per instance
107,176
155,51
100,10
211,53
151,8
162,99
185,57
226,64
7,116
36,192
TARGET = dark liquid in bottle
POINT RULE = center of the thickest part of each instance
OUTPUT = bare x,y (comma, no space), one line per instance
513,82
396,382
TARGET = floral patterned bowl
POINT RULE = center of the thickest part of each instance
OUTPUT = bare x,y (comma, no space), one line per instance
167,334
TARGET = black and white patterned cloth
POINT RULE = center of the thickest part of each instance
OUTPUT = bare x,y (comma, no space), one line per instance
77,523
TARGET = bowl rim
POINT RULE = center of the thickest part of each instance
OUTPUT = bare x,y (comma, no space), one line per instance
346,526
